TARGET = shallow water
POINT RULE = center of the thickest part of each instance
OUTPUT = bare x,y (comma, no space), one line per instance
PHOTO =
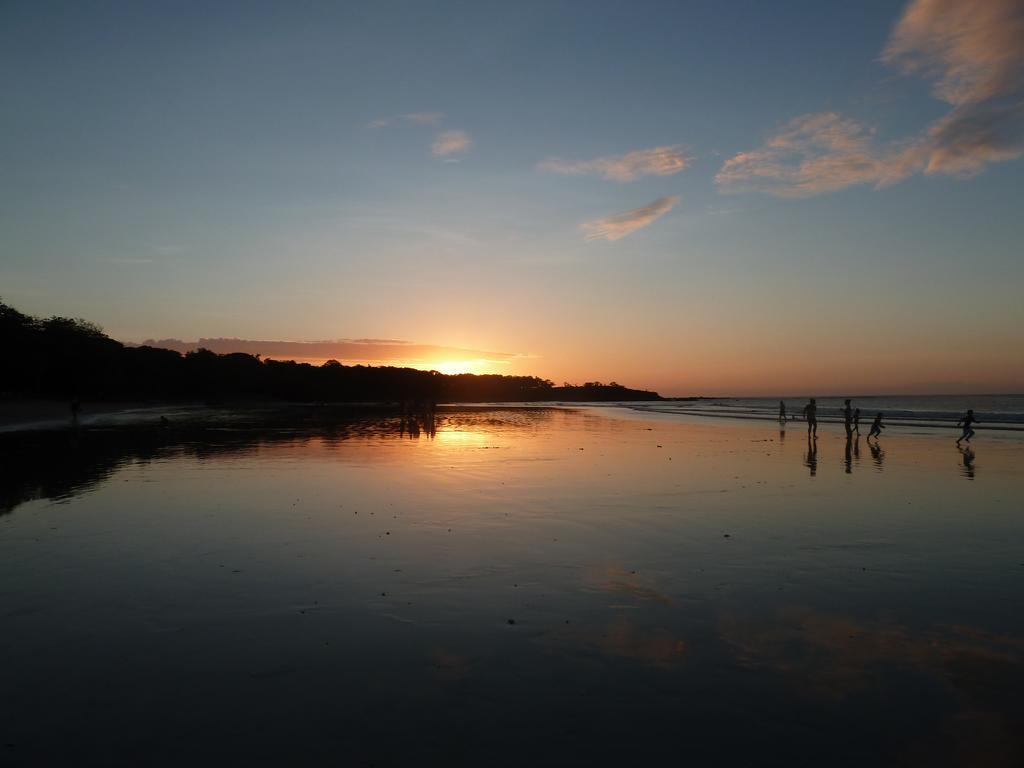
506,586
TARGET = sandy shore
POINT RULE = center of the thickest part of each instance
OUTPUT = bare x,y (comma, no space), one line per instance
19,415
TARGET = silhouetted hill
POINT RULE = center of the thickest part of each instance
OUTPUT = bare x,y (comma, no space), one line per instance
65,358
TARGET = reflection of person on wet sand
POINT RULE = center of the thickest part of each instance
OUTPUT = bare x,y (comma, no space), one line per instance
877,454
847,458
876,427
811,414
967,420
811,458
968,455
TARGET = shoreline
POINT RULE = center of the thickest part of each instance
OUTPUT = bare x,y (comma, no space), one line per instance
903,423
48,416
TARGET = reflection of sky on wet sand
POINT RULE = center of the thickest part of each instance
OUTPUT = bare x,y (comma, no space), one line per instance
603,584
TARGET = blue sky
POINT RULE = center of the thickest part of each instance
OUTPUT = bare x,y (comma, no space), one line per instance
796,217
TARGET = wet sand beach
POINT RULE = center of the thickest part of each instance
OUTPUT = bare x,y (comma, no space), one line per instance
511,586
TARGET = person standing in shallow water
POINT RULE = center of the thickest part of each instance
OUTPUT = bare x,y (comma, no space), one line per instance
782,411
856,421
811,414
967,420
876,427
847,411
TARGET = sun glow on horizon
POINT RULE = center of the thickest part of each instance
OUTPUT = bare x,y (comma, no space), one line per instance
455,367
448,367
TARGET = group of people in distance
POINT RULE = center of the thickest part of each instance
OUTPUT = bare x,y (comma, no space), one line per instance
851,419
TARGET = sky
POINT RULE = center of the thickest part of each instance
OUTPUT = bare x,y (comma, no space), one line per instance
701,198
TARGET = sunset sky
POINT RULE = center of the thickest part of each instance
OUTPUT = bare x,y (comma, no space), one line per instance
698,198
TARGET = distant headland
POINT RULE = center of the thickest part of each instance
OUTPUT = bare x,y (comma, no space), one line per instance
71,359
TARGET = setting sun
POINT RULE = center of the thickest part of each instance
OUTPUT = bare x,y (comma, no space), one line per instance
454,367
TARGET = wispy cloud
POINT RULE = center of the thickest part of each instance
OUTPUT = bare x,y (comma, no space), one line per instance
453,142
973,54
617,226
418,118
972,50
813,154
657,161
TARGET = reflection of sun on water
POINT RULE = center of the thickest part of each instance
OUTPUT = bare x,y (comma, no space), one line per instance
460,436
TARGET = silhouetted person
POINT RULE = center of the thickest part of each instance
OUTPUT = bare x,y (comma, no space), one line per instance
782,411
876,427
811,458
847,411
967,420
811,414
76,406
856,421
968,455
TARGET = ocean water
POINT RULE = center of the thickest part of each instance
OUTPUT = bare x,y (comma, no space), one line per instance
1002,412
508,587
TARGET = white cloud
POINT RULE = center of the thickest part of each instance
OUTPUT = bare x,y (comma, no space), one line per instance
617,226
657,161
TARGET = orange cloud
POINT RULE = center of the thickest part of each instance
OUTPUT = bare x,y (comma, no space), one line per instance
658,161
452,142
813,154
974,55
974,51
617,226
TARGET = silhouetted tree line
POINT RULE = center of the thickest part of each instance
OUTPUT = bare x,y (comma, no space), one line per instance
66,358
